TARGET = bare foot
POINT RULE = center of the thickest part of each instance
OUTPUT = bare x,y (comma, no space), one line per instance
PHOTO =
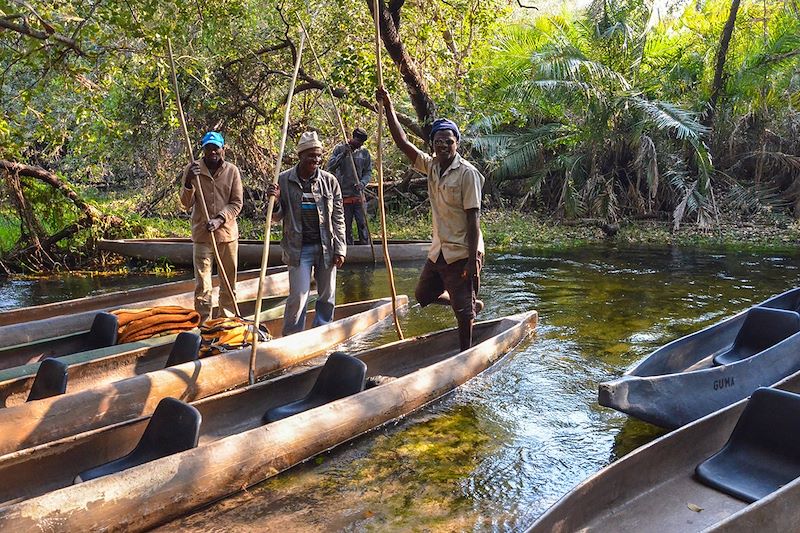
478,306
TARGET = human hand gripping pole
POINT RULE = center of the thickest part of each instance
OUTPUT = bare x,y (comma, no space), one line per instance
195,171
271,206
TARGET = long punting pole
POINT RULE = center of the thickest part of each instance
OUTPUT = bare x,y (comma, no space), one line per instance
379,161
343,132
197,187
270,207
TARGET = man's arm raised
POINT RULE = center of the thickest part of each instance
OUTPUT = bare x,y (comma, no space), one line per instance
398,135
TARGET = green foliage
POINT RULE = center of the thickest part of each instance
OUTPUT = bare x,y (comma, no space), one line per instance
606,110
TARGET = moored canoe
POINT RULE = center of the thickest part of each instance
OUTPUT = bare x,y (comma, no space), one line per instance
236,450
698,374
31,324
106,365
179,251
33,423
655,488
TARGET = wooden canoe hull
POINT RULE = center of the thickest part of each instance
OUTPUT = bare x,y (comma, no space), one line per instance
179,251
34,423
106,365
65,344
153,493
651,489
36,323
678,383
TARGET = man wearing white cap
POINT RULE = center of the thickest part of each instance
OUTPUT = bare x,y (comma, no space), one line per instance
222,189
309,201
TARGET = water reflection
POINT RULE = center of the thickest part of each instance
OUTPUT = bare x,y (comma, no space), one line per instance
496,453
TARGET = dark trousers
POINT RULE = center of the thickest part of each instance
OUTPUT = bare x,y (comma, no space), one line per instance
355,210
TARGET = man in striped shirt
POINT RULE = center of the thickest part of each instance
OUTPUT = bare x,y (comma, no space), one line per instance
309,202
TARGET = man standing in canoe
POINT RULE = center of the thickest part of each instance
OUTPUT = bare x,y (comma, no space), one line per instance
221,182
451,275
352,184
309,201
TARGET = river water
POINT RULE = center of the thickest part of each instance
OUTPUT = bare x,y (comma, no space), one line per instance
493,455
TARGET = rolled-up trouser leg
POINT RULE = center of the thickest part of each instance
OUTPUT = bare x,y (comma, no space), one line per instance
229,255
203,259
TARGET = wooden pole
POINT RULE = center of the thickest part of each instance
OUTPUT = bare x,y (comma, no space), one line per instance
271,207
197,187
343,132
379,165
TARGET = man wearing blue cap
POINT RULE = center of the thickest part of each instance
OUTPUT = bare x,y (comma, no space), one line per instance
451,274
221,183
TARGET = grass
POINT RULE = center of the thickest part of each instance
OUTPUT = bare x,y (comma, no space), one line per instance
504,230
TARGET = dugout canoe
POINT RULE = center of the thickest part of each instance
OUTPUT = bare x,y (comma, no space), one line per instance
179,251
709,369
656,488
33,423
31,324
106,365
236,449
57,343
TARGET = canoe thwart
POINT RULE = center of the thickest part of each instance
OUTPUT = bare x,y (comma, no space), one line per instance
341,376
762,328
173,428
185,349
763,452
50,380
103,332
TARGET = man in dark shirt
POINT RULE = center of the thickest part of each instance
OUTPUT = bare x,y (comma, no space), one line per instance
309,202
352,184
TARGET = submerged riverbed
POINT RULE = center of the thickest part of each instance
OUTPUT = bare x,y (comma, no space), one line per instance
496,453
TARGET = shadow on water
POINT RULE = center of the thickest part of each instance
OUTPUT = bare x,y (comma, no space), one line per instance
496,453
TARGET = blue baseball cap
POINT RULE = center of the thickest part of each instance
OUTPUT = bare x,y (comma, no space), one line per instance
213,137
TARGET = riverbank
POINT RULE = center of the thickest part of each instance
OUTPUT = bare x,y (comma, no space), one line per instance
506,230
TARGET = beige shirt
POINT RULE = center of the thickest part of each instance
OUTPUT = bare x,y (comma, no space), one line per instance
451,194
223,195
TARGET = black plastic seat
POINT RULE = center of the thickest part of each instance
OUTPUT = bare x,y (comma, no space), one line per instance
50,380
185,349
173,428
762,327
341,376
763,451
103,332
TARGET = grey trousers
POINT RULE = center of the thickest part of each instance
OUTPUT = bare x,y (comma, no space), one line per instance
294,319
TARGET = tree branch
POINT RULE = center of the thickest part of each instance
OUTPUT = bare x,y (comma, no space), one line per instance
42,36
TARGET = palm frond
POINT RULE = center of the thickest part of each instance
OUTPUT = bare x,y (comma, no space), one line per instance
668,116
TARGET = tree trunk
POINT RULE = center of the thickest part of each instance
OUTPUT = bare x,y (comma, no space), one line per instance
719,70
417,90
34,244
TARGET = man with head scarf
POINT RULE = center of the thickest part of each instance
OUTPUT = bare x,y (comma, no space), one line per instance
451,274
309,202
353,183
221,184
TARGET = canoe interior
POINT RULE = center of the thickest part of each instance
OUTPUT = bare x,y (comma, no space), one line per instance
34,471
113,299
96,367
32,352
697,350
652,488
